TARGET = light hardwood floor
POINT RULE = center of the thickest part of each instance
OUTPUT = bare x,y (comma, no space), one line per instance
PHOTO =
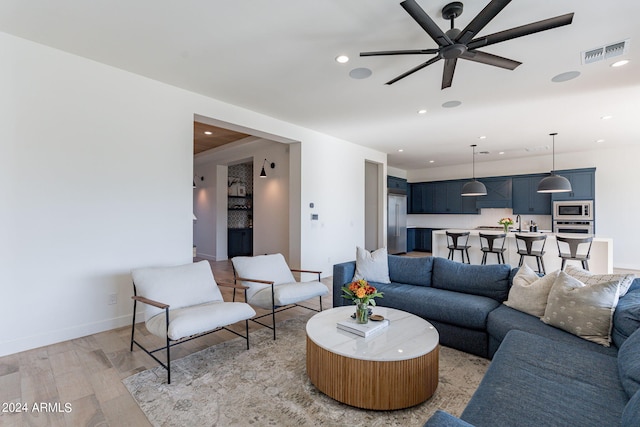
87,372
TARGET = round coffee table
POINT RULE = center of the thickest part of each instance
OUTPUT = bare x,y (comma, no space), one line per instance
395,368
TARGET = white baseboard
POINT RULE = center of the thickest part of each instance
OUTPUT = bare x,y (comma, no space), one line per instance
206,256
53,337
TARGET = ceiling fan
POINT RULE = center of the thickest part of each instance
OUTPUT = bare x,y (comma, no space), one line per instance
454,44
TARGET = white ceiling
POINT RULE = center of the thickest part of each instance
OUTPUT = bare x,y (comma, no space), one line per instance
277,57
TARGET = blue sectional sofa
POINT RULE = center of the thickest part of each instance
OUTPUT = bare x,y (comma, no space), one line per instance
539,375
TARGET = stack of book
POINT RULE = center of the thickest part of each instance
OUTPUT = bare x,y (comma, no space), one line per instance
362,329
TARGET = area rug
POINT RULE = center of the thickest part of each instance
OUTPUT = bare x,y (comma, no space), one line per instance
227,385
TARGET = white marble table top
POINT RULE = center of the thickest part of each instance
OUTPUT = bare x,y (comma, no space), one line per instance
407,336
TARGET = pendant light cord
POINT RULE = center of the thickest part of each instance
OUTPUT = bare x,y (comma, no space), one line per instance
553,152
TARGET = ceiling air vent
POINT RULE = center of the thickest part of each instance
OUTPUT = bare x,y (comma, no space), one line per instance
605,52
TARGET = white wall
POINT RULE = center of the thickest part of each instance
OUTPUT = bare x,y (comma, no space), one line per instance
96,168
617,194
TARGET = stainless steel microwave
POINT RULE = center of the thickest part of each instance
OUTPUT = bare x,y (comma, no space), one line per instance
581,210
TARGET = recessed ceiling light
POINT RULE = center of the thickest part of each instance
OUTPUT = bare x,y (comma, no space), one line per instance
206,132
501,152
400,150
599,141
451,104
342,59
606,117
563,77
620,63
482,137
422,111
432,161
360,73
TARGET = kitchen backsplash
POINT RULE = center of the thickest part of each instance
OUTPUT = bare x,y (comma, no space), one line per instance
487,217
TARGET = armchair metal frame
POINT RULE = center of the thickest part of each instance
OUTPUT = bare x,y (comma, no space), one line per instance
274,308
169,342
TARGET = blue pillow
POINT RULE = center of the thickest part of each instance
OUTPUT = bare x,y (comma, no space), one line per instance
484,280
629,364
626,318
410,271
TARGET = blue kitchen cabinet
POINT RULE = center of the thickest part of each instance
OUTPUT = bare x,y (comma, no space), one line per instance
498,193
396,183
423,240
583,184
420,198
448,198
525,196
411,239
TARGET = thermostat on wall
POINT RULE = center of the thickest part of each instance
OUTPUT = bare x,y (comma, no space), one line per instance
314,217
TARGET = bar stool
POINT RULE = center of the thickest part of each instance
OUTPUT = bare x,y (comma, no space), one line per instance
573,244
528,249
491,247
458,242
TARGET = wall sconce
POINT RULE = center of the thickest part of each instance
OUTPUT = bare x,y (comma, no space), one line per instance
263,174
194,179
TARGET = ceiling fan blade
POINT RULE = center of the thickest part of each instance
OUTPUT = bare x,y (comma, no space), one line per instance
413,70
490,59
447,74
524,30
427,24
481,20
401,52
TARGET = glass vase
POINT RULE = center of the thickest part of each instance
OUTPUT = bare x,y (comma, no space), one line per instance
506,228
362,313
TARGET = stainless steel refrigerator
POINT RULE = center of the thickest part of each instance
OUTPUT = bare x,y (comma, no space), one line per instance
396,223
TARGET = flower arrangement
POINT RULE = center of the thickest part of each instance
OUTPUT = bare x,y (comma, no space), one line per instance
363,295
506,222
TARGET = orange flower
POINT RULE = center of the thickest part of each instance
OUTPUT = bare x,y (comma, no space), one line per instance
361,292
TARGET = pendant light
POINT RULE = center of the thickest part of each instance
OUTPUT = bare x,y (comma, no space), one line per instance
554,183
474,187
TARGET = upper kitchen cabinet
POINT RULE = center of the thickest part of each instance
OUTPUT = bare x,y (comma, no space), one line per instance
420,198
498,193
447,198
525,196
583,184
396,183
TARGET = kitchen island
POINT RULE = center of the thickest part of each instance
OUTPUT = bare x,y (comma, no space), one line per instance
601,261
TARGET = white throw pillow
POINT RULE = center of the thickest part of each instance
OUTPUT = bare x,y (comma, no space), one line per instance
372,266
583,310
589,278
529,292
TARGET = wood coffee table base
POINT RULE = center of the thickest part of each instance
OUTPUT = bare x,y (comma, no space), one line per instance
372,384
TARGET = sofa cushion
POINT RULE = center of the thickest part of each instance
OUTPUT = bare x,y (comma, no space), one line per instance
626,318
529,292
410,270
372,266
589,278
179,286
454,308
444,419
631,414
485,280
629,364
535,381
586,311
504,319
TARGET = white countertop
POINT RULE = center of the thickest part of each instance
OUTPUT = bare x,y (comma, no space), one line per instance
407,336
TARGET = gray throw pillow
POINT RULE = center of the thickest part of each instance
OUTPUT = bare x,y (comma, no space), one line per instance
589,278
529,292
372,266
585,311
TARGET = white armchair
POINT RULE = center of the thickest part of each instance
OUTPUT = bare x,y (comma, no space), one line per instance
183,303
272,285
